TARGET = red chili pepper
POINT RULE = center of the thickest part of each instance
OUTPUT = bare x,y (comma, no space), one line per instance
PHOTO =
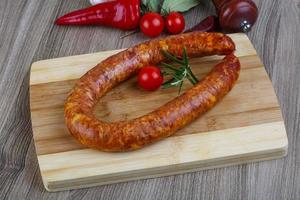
208,24
122,14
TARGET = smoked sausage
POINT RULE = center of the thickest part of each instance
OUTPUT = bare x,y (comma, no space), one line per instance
167,119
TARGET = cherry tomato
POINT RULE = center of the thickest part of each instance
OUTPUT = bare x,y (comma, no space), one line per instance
150,78
175,23
152,24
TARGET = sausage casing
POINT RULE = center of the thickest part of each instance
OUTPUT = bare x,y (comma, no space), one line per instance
167,119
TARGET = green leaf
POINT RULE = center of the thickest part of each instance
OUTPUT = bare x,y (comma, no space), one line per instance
193,79
145,2
179,72
184,56
165,73
172,57
154,5
169,66
168,83
151,5
178,5
180,87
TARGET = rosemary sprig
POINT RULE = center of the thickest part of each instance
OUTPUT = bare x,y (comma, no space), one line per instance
179,72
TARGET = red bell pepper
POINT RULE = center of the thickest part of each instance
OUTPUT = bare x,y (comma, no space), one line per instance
122,14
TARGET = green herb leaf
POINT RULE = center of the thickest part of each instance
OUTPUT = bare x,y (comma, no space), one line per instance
167,84
169,66
179,72
185,57
178,5
151,5
193,79
180,87
145,2
172,57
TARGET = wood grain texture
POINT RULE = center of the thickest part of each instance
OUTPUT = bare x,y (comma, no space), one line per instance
245,126
28,34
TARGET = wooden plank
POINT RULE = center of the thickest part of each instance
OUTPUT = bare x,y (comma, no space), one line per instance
181,154
245,126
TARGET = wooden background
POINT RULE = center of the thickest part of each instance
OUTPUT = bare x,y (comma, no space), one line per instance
27,34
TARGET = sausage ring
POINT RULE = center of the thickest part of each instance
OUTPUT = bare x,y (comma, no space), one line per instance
164,121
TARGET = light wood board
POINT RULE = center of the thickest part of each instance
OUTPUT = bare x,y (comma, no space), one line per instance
246,126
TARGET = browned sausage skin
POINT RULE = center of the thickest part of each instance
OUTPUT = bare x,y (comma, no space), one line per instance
166,120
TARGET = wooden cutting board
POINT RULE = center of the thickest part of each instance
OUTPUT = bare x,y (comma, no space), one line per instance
246,126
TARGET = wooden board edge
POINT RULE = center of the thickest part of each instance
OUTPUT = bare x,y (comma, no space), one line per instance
263,156
266,154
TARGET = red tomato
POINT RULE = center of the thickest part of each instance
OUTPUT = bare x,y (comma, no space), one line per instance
150,78
152,24
175,23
